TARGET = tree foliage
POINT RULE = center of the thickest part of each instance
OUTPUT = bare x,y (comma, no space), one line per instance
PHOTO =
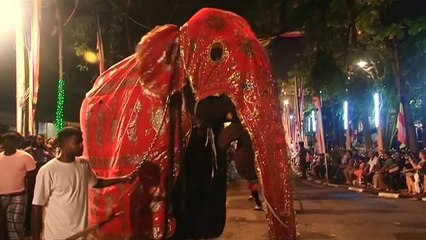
340,33
123,23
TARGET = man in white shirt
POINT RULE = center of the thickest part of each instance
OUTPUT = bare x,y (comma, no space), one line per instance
62,189
373,166
15,166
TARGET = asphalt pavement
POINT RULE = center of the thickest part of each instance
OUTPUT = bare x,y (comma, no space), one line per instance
336,213
326,212
242,223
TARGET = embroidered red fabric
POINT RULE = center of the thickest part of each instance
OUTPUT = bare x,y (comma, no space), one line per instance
124,119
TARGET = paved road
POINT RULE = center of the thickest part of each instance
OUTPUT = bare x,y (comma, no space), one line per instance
330,213
242,223
333,213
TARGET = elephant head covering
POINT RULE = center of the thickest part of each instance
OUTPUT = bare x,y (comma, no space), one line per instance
124,123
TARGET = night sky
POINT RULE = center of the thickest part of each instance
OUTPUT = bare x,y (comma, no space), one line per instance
281,51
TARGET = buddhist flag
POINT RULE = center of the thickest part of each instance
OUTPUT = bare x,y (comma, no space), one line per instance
34,63
320,145
400,126
286,124
296,124
301,112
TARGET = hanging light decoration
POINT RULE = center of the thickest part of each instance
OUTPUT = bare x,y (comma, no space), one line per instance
345,115
376,109
59,117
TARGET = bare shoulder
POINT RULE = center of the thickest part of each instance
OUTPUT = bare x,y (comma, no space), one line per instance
24,153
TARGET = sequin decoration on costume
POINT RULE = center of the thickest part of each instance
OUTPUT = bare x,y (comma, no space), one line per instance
235,77
132,133
114,122
245,77
87,127
248,86
156,233
100,125
155,206
220,55
157,118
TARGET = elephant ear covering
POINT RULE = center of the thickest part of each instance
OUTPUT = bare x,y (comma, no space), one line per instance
124,119
221,56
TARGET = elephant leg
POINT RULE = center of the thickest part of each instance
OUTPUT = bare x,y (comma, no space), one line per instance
199,198
142,201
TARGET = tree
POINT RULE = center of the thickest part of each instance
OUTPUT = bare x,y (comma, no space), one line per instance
339,33
390,28
123,23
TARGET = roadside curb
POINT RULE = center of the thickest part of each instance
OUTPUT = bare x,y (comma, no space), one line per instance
355,189
331,185
388,195
366,190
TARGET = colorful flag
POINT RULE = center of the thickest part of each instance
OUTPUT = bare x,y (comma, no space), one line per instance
400,126
320,145
286,124
34,64
296,123
301,113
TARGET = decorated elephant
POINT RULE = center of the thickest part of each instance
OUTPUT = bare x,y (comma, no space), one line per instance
162,111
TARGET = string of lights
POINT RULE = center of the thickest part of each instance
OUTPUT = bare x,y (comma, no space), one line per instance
60,100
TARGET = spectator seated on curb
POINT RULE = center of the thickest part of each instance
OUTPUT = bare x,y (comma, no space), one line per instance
409,173
381,177
373,165
420,168
359,173
350,168
336,155
317,166
396,177
339,175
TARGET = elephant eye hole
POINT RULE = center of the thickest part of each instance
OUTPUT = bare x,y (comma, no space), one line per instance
216,52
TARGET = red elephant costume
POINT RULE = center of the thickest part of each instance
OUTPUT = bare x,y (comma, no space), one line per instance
125,120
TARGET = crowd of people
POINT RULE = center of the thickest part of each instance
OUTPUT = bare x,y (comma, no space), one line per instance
38,177
20,160
393,171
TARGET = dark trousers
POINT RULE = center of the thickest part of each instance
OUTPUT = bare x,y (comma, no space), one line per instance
369,178
395,181
303,168
255,195
12,216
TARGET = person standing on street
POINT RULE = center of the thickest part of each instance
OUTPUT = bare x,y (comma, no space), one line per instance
303,159
38,150
61,189
15,166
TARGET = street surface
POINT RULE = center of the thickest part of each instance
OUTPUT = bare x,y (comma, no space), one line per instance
333,213
330,213
242,222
